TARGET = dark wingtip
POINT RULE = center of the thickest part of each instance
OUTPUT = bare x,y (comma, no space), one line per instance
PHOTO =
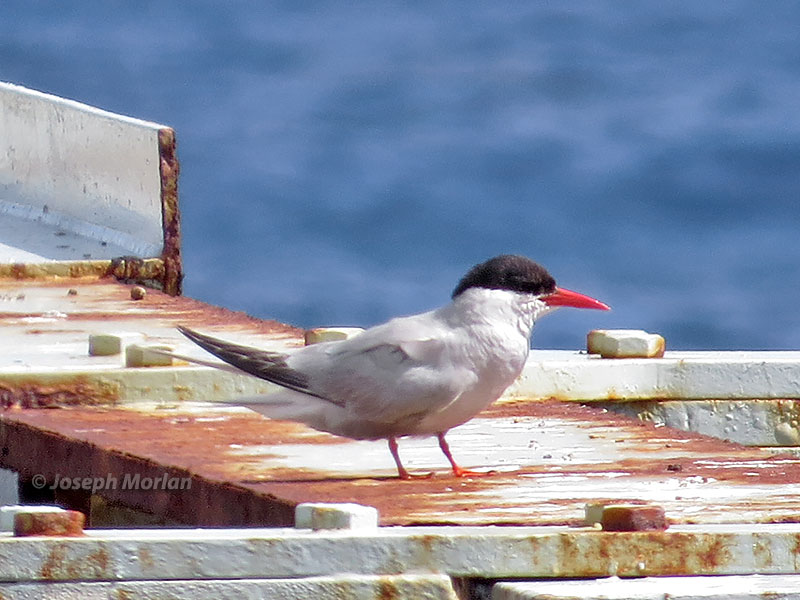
194,336
186,331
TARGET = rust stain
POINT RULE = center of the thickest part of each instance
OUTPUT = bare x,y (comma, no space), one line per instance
66,524
54,281
85,268
428,544
58,566
145,558
51,331
74,391
18,271
151,272
169,168
163,435
100,300
662,553
53,566
135,270
796,551
387,590
228,456
655,552
633,518
183,392
762,551
715,554
535,544
98,561
55,272
569,552
637,554
789,410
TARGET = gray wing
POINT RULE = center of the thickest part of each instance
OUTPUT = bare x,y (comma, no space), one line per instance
396,371
271,366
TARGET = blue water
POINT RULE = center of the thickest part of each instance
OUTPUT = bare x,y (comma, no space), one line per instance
346,162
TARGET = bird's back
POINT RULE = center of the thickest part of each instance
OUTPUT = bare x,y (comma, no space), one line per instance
415,375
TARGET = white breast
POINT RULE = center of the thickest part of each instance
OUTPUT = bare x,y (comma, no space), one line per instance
492,344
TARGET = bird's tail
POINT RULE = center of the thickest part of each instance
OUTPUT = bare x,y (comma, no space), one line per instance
271,366
295,402
197,361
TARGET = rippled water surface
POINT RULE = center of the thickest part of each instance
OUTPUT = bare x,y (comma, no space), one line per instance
346,162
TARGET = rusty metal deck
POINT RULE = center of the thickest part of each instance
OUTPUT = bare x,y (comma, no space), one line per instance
548,458
45,326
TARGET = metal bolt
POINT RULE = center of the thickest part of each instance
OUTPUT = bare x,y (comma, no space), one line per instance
629,517
319,515
67,523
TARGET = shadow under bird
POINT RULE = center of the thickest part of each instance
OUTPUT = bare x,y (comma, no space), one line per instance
419,375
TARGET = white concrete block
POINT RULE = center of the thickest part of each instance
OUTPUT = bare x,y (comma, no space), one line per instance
109,344
316,515
738,587
625,343
354,587
330,334
155,355
8,513
749,422
489,552
86,173
593,513
569,375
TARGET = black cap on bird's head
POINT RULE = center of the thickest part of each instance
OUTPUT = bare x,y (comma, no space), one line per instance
522,275
508,272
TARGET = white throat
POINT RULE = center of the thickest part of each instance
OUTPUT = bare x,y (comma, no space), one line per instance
498,307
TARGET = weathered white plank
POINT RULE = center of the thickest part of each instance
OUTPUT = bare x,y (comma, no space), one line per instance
733,587
353,587
492,552
76,180
678,375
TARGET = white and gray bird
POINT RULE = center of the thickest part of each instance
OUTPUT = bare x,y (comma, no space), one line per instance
419,375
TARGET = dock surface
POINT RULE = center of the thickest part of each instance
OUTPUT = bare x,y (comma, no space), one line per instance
548,460
94,418
89,207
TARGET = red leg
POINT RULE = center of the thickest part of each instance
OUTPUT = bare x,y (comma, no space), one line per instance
401,470
457,471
